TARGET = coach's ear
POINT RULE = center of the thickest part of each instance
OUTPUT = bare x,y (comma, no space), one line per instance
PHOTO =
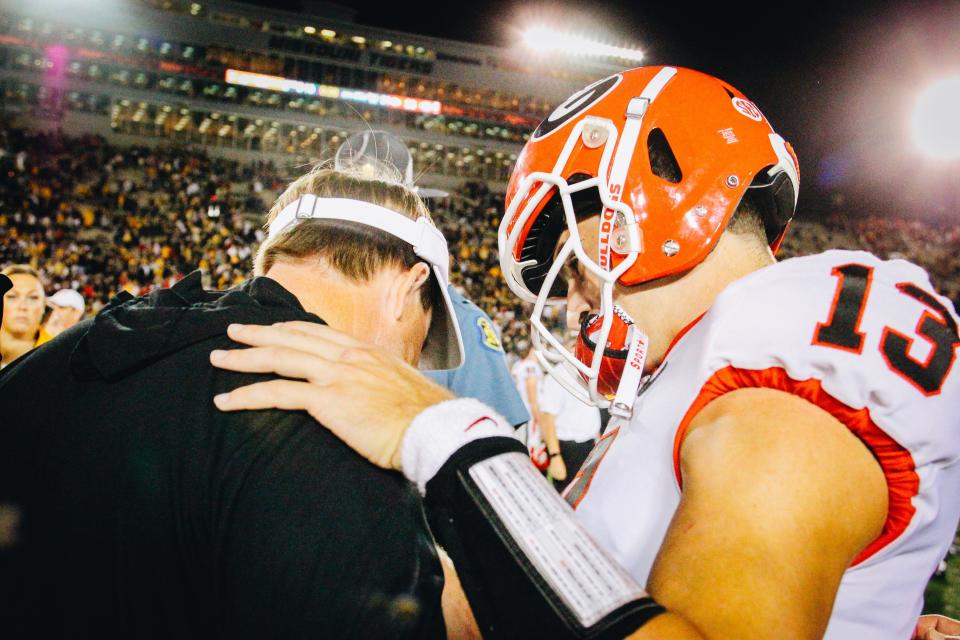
5,285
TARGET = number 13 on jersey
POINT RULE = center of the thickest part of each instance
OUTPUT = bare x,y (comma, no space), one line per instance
935,325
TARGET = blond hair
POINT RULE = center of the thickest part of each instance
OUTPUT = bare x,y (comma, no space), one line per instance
21,270
356,251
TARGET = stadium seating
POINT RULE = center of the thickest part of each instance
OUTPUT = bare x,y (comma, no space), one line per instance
102,218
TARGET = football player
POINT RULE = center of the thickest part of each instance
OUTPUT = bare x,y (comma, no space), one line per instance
782,460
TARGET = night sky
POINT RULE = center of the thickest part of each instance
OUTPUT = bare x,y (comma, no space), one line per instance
837,80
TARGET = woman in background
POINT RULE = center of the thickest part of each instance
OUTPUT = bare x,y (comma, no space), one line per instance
24,304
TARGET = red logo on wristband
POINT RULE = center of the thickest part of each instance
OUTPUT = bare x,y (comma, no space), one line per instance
480,421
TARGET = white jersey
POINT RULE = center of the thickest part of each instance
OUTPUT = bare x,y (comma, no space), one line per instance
865,339
575,421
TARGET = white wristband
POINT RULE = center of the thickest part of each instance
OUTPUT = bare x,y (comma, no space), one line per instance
439,431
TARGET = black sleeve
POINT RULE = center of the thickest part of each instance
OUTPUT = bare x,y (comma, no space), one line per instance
310,540
509,597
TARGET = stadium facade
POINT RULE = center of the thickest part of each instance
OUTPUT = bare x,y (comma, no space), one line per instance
246,81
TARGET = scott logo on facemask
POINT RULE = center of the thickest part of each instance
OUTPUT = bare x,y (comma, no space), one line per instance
639,356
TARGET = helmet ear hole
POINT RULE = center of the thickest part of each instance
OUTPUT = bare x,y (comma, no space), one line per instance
774,199
663,162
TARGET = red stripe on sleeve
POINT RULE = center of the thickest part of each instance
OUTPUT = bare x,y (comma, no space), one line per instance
897,463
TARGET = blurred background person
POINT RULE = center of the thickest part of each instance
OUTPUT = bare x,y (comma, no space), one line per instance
528,379
21,329
570,429
66,309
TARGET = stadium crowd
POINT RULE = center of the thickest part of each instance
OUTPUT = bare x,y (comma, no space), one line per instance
99,218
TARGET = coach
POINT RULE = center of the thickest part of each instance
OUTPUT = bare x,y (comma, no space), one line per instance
144,511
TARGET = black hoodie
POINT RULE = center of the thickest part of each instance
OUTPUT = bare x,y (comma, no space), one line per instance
146,512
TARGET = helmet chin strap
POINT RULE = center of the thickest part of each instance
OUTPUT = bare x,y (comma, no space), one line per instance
622,405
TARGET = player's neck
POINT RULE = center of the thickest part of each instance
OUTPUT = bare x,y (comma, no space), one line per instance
734,257
681,299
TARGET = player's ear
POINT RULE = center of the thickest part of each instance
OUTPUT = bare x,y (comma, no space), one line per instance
406,289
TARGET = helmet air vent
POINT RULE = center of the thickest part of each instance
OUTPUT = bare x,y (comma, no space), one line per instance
662,161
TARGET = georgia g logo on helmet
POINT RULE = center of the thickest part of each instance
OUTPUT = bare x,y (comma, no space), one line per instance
576,104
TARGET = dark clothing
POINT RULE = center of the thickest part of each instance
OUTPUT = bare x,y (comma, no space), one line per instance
574,454
146,512
5,285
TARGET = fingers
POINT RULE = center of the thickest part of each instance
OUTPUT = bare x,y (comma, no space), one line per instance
948,626
274,394
286,362
924,624
936,627
938,623
328,344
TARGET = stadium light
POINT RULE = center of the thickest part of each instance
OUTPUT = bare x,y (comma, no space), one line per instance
546,40
300,87
935,123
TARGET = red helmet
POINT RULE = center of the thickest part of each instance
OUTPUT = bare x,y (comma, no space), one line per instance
664,155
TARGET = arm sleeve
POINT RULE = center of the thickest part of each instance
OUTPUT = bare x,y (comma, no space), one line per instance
311,540
527,567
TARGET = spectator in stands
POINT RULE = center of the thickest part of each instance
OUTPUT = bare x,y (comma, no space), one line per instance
570,429
101,218
23,308
66,310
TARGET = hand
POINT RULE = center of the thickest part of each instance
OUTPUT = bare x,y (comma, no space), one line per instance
364,395
557,468
936,627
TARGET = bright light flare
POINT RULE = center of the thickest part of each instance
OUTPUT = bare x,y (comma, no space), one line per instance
547,40
935,123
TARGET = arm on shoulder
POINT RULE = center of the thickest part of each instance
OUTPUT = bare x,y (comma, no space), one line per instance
778,499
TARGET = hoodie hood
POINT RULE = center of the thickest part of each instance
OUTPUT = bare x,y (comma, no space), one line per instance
131,333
